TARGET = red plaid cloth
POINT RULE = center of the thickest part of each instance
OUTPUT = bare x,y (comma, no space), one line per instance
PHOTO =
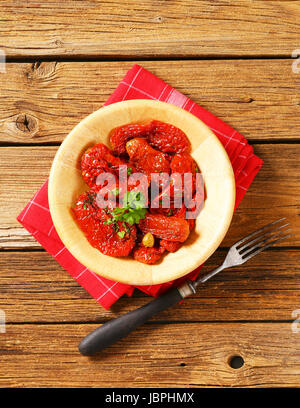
138,83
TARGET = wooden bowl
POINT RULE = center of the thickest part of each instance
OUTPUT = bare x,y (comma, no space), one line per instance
66,184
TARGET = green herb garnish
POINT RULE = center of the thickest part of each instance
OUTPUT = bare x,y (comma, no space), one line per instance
133,208
129,171
115,191
89,199
108,221
132,212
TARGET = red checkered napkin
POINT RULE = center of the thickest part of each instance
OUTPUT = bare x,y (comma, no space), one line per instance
138,84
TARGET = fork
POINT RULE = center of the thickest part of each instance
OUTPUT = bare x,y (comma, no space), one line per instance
113,330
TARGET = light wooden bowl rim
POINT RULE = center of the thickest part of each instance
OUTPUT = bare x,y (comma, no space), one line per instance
65,183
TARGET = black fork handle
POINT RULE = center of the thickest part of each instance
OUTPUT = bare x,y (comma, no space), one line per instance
112,331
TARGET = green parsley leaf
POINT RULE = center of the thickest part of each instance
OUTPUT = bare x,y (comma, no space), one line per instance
133,208
115,191
108,221
129,171
121,234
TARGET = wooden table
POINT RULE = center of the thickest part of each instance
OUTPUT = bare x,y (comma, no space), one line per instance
233,58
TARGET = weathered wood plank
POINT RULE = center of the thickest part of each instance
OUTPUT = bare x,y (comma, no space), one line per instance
274,193
44,102
176,355
144,28
34,288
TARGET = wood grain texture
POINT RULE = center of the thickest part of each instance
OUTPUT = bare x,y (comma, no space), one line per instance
43,102
274,193
153,356
244,311
34,288
149,28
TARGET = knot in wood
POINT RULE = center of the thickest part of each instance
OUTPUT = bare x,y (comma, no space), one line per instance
26,123
248,100
158,19
42,71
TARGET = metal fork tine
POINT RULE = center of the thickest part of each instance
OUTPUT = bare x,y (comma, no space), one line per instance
269,238
268,233
266,246
258,231
263,241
